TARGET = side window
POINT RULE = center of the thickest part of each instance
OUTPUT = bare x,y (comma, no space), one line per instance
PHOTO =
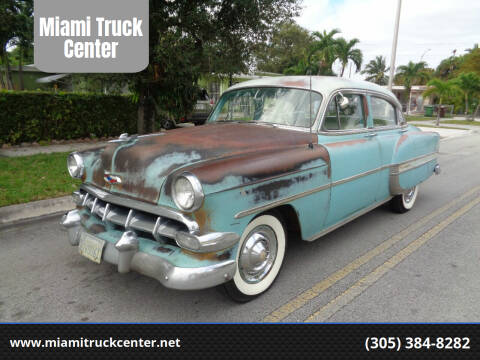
383,113
350,117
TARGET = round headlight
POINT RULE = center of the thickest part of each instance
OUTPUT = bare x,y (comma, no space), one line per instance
75,165
187,192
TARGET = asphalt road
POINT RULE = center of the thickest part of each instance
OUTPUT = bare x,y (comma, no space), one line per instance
422,266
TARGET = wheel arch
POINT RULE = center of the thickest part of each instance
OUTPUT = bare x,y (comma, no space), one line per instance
288,216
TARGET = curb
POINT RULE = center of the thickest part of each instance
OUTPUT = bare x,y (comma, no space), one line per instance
34,209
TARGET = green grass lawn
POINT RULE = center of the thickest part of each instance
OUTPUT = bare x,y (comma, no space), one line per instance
461,122
37,177
418,118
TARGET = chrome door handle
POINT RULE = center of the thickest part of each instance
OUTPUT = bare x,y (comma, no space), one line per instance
371,135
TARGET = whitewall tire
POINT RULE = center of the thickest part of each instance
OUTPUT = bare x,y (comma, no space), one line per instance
259,258
404,202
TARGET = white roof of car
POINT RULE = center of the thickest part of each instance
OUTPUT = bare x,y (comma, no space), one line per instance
322,84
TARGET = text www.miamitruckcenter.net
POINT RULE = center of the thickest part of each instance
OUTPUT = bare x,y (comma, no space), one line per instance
95,343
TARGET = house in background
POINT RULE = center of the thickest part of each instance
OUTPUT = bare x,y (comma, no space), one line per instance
417,101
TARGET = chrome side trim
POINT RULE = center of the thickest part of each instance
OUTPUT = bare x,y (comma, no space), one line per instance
162,211
412,163
348,219
398,169
354,177
404,166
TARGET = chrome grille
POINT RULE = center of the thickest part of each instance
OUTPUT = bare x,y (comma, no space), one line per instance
130,219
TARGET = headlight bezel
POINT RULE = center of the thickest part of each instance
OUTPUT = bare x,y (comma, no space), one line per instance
80,165
198,195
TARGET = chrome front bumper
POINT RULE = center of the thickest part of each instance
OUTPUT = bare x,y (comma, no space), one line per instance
126,255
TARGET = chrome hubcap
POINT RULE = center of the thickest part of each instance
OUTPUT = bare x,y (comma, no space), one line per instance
257,254
409,196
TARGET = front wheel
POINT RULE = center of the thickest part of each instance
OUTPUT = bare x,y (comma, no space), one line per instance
404,202
259,258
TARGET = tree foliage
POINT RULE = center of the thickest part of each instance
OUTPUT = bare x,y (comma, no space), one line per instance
345,51
191,37
469,83
471,62
286,49
443,89
412,74
377,70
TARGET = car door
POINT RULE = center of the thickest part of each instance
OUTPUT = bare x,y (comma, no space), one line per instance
354,155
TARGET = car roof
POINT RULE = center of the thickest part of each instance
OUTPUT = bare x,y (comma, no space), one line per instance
322,84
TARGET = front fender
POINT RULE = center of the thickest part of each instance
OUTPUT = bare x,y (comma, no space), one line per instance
237,188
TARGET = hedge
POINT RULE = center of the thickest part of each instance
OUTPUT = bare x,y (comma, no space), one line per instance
29,116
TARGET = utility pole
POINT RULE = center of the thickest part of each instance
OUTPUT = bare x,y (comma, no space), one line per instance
394,46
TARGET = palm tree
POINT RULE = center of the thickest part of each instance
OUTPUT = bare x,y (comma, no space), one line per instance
344,51
411,74
469,83
376,70
442,89
303,67
472,49
323,50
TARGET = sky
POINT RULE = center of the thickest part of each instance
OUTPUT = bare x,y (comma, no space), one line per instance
428,28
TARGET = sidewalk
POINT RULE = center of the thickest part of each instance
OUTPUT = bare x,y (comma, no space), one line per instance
460,129
447,133
49,149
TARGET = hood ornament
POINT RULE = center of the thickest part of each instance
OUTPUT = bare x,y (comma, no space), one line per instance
112,179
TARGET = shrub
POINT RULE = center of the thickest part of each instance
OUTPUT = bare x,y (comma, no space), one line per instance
28,116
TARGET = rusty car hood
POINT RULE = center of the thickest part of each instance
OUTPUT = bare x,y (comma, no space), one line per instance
143,163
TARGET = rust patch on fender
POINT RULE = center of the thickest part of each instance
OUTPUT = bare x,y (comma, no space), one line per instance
271,191
404,137
261,166
401,140
163,250
202,217
346,143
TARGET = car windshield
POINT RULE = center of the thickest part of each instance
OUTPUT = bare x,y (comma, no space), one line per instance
274,105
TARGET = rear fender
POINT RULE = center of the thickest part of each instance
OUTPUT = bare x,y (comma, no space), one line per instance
414,160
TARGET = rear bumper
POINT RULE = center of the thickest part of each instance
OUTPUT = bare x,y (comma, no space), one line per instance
126,254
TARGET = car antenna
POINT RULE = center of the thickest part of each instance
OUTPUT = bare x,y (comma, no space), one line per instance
310,144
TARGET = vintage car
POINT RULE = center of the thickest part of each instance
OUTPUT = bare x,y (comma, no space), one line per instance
279,159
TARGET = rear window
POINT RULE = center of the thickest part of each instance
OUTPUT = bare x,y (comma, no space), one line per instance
383,112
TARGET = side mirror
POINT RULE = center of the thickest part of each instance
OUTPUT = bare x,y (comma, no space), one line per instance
342,101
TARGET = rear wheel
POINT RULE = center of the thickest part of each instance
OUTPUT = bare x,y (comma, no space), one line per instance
259,258
404,202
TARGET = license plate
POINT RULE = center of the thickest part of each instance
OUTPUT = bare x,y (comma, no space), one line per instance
91,247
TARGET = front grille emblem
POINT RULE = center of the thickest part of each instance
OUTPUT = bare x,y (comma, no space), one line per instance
112,179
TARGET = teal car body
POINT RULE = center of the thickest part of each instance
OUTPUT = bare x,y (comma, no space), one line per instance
347,151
